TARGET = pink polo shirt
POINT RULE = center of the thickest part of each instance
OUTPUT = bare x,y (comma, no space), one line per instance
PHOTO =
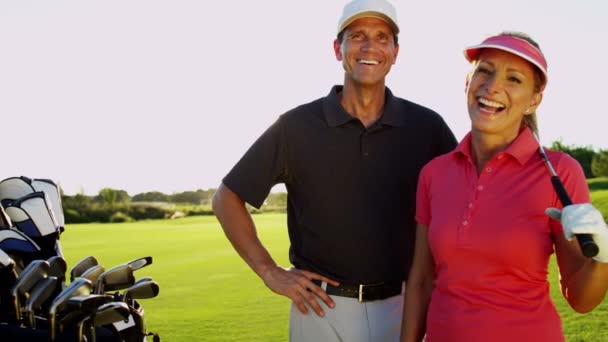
491,242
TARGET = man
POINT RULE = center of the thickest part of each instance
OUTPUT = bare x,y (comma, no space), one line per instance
350,163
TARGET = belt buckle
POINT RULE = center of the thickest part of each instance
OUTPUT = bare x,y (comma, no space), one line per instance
361,286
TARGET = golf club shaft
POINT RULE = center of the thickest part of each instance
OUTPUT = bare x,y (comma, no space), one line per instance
585,241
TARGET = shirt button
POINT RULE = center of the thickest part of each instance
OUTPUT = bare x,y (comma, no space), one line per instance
480,187
500,156
488,169
465,222
470,205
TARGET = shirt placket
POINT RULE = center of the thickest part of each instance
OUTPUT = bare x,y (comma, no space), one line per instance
478,188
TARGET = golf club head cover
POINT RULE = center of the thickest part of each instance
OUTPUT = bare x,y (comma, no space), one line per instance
14,188
13,241
31,214
584,218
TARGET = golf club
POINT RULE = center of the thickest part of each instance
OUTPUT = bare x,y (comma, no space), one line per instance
39,294
93,273
58,268
79,287
35,271
588,246
141,290
116,278
140,263
107,314
81,307
82,266
142,279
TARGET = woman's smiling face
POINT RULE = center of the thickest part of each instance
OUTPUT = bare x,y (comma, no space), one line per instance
500,91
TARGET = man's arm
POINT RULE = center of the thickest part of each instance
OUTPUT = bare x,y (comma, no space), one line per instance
240,230
419,289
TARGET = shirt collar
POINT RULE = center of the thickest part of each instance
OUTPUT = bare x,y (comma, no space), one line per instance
521,149
393,113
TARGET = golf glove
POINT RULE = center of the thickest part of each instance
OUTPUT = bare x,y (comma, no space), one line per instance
584,219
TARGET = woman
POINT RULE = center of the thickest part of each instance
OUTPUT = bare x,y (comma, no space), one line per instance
483,240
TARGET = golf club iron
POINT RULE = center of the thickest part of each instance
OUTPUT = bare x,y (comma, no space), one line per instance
35,271
82,266
39,294
93,273
79,287
116,278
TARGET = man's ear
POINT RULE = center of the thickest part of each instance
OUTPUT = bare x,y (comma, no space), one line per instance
338,50
396,54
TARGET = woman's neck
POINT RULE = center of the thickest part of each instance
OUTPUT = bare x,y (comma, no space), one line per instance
485,146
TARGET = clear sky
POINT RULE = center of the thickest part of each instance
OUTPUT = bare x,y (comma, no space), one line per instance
151,95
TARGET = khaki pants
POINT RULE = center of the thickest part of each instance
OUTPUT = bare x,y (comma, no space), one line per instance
349,321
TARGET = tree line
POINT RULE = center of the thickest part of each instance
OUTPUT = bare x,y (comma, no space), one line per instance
594,163
115,205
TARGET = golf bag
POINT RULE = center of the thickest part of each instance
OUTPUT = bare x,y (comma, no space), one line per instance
35,302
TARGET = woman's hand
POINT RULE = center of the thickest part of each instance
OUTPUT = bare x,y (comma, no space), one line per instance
584,219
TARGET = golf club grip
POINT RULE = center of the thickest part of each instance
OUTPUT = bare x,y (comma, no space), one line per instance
588,246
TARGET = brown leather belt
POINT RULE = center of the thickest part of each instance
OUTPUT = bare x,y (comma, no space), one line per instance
365,293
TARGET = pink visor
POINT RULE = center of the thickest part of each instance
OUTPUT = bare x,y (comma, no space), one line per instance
514,45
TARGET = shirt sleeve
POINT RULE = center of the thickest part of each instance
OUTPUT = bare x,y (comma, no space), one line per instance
262,167
448,140
423,207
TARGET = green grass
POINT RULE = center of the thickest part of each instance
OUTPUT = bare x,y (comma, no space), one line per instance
207,293
599,194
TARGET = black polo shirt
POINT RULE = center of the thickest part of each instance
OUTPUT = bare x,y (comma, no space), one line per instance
351,189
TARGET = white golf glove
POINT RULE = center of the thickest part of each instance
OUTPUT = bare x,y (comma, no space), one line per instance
583,219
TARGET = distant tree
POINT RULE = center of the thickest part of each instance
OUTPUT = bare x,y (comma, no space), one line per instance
107,196
111,197
583,154
599,164
122,196
79,201
152,196
194,197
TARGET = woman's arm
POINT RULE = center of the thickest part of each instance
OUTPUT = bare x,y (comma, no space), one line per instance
419,288
584,281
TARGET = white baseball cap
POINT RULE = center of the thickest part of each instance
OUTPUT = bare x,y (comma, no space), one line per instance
356,9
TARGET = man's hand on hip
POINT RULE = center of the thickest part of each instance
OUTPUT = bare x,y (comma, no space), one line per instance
297,285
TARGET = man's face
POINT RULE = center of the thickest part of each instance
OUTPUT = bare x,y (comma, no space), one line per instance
367,51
